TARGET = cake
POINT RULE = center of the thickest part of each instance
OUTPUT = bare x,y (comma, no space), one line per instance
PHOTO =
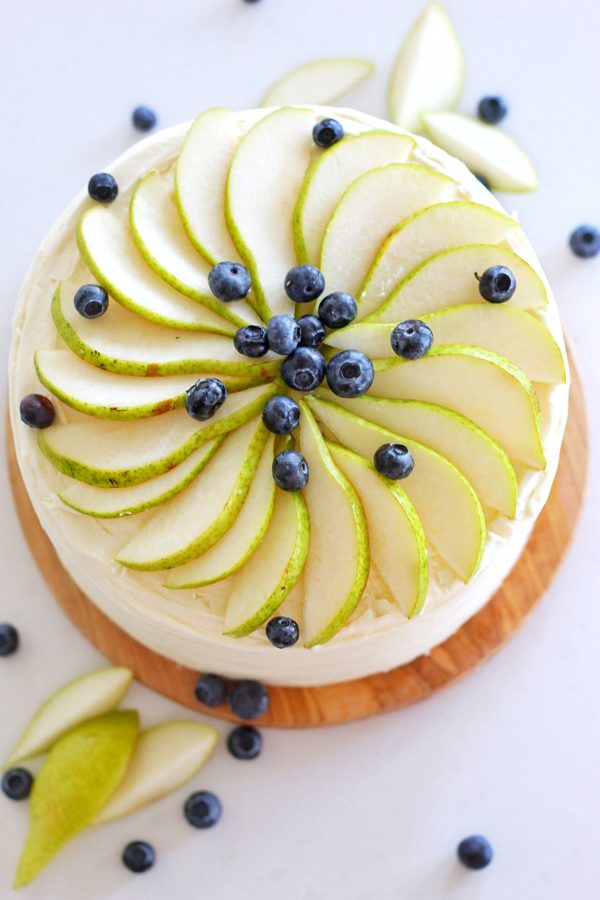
174,527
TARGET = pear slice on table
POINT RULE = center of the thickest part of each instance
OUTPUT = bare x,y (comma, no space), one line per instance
193,521
319,82
81,772
396,537
445,502
119,454
331,175
164,758
84,698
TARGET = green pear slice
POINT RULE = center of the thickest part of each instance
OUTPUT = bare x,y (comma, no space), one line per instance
260,588
119,454
425,234
448,279
319,82
193,521
165,758
396,537
371,207
446,504
331,175
337,565
109,251
77,779
85,697
242,539
429,71
485,149
476,383
264,181
200,179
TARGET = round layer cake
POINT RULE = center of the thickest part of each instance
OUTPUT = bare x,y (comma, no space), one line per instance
174,526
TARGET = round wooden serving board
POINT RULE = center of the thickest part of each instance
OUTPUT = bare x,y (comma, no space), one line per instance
331,704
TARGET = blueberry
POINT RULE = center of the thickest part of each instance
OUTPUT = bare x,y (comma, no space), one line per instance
202,809
281,414
283,334
312,331
475,852
229,281
585,241
492,109
143,118
251,340
245,742
204,398
249,699
350,373
138,856
17,784
304,369
394,461
290,471
337,310
211,690
303,284
497,284
37,411
103,187
484,181
411,339
327,133
282,632
91,301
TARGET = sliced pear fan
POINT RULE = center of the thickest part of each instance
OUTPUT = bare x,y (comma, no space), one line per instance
319,82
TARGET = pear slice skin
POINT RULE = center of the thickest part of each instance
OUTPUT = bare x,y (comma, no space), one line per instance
164,758
86,697
319,82
77,779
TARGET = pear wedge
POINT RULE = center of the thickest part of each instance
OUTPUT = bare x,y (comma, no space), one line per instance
319,82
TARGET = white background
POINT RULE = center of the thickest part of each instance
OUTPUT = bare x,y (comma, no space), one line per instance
373,810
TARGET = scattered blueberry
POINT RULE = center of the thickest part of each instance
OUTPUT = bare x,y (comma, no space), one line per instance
411,339
283,334
304,369
245,742
283,632
497,284
138,856
585,241
312,331
17,784
484,181
327,133
281,414
492,109
350,373
249,699
229,281
394,461
303,284
202,809
204,398
37,411
251,340
475,852
103,187
337,310
91,301
290,473
211,690
143,118
9,638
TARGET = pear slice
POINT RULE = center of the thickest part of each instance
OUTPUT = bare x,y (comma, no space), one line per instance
260,588
109,251
446,504
396,536
81,699
242,539
265,178
193,521
371,207
448,279
165,758
119,454
77,779
485,149
429,72
480,385
337,565
331,175
319,82
425,234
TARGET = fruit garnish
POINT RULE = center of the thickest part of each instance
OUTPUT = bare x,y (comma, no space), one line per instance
304,369
283,334
290,470
37,411
103,188
337,310
319,82
349,373
281,414
249,699
585,241
411,339
328,132
138,856
282,632
303,284
202,809
475,852
492,109
91,301
245,742
229,281
143,118
211,690
17,784
9,639
394,461
251,340
205,398
497,284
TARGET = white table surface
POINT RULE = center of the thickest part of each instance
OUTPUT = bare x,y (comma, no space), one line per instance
372,810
